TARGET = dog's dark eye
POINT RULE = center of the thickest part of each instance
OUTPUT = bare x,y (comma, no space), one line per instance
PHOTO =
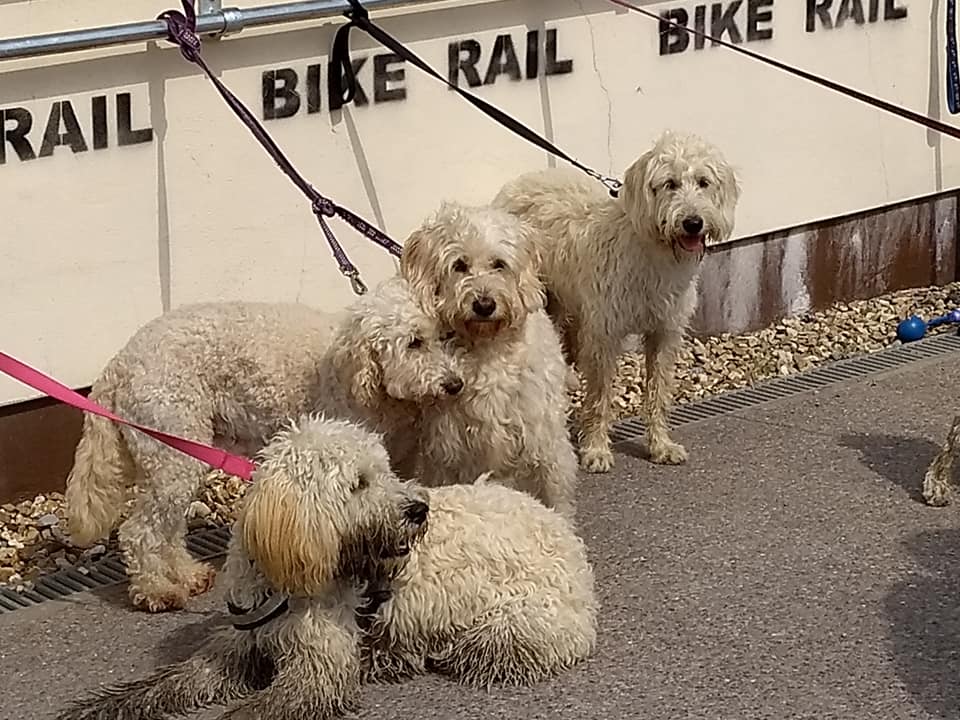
703,182
415,343
459,266
499,265
362,482
448,335
670,185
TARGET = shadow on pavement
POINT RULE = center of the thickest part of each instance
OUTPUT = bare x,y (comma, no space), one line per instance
924,614
900,460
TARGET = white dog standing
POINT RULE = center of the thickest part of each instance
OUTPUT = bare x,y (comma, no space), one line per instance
477,268
619,267
232,374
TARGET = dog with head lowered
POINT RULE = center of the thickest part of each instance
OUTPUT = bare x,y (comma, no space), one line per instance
339,573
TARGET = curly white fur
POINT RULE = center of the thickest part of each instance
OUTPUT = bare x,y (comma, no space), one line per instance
230,374
477,268
628,266
386,580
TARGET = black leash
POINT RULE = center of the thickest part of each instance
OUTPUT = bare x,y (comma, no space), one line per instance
182,31
906,113
342,84
953,72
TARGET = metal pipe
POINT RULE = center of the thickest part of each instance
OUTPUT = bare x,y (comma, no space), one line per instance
226,20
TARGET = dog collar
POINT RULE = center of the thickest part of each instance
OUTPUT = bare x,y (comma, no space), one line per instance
273,607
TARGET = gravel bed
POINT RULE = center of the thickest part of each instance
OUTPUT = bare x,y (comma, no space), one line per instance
32,540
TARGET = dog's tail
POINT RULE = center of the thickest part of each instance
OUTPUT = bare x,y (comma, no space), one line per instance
177,689
96,486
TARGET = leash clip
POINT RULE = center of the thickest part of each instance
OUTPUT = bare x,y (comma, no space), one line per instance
355,282
611,184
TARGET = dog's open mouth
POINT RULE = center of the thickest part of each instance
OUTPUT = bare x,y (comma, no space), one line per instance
692,243
484,328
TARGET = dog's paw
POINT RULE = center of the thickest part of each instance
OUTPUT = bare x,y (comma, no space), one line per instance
201,580
596,459
667,452
159,600
935,492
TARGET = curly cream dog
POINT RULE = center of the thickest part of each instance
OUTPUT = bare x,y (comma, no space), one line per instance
619,267
232,373
477,582
477,268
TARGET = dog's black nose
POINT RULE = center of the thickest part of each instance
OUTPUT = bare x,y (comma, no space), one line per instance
692,225
484,306
417,512
452,387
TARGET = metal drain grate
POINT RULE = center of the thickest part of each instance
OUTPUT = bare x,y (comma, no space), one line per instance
210,543
106,572
631,429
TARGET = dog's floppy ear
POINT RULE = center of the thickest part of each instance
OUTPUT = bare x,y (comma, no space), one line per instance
355,362
415,266
286,543
637,194
532,293
728,195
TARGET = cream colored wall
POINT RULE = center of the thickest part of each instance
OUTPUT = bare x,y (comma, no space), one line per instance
96,243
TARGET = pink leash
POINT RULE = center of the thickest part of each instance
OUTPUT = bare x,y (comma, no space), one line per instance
215,457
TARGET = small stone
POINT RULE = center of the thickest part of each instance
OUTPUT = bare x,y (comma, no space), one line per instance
62,563
30,536
47,521
94,552
198,509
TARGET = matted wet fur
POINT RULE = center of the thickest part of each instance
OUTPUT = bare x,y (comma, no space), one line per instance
476,267
938,478
627,266
231,374
327,521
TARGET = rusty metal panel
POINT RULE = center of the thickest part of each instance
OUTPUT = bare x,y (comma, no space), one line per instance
752,283
37,441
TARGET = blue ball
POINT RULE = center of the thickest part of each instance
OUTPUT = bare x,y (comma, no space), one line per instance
953,316
913,328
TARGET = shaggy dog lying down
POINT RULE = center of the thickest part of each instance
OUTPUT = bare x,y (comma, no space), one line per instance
231,374
383,579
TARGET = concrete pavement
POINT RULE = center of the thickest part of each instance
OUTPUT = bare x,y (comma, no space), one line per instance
790,570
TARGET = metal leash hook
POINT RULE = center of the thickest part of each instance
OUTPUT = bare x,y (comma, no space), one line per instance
612,184
324,208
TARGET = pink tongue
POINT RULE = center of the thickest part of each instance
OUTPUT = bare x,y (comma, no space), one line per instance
691,242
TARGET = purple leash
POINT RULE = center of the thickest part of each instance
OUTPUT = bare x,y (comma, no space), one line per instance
182,32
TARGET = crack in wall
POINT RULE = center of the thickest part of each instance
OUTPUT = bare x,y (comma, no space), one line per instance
603,87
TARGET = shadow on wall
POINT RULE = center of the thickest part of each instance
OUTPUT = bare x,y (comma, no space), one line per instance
924,615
